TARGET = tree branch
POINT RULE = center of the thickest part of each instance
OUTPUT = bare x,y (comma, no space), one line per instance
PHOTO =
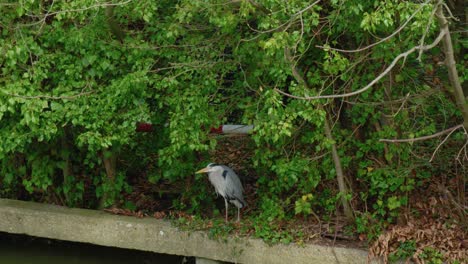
385,72
411,140
69,97
463,149
441,143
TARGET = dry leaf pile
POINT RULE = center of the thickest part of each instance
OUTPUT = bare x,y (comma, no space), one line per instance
435,229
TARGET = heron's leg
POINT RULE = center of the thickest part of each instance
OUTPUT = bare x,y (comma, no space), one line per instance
226,208
238,214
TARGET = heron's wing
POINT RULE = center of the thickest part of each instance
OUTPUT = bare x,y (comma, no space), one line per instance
233,186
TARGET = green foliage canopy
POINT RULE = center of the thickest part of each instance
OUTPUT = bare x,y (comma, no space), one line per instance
76,78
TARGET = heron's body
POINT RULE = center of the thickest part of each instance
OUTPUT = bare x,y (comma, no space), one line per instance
227,184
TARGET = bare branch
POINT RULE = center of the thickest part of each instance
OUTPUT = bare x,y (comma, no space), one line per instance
68,97
396,101
428,26
441,143
411,140
90,7
384,39
463,149
42,20
193,65
307,8
259,7
8,4
287,23
385,72
451,16
402,104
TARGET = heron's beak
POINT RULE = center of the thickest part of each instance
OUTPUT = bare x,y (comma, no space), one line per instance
204,170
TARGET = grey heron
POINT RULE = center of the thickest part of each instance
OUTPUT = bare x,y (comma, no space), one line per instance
227,184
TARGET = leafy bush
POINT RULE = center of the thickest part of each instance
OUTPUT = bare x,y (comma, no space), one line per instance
77,79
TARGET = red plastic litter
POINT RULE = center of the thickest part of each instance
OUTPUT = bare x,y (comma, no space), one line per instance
144,127
216,130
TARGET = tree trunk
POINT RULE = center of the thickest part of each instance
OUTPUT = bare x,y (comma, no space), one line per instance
110,163
114,27
328,133
457,89
339,173
67,168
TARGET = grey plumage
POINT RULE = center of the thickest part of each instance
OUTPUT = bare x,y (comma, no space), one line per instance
227,184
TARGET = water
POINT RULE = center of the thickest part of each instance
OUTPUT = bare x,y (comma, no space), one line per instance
18,249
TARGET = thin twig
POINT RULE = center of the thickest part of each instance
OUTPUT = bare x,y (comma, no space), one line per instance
69,97
287,23
384,39
46,15
463,149
441,143
410,140
402,104
428,26
74,10
451,16
396,101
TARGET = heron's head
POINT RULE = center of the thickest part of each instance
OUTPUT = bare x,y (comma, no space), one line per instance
209,168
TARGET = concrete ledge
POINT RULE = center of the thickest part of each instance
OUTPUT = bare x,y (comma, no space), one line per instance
148,234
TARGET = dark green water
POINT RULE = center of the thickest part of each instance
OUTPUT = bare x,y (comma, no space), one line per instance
16,249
